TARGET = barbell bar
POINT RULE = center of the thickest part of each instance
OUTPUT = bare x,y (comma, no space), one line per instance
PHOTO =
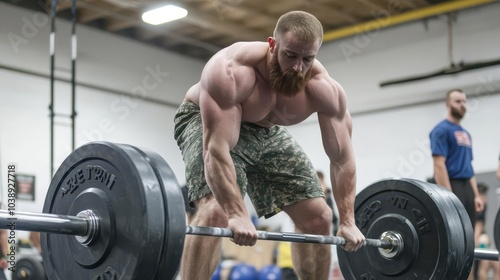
486,254
387,243
117,211
85,228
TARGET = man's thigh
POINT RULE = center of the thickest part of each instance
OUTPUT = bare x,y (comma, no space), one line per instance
283,176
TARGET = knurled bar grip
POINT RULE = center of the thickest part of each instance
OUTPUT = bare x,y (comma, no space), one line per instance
43,222
283,236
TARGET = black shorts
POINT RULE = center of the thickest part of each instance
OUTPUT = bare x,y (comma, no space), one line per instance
463,190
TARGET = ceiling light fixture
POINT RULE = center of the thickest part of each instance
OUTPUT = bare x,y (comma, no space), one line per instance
164,14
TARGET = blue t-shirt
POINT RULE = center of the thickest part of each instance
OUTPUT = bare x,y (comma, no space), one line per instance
454,143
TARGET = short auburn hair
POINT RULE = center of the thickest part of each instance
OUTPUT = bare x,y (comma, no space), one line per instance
304,25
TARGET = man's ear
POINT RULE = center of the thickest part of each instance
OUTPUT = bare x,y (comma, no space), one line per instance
272,43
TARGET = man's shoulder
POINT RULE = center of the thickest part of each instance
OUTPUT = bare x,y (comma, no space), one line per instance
230,75
444,124
442,128
322,85
247,53
437,126
320,74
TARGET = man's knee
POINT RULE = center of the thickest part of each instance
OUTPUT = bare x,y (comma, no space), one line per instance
209,213
320,223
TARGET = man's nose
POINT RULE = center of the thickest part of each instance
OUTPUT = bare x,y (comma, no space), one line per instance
298,66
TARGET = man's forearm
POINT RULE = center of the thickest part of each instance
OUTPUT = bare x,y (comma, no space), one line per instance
441,176
221,179
343,179
473,184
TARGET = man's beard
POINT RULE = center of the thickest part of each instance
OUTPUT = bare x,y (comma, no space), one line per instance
288,83
457,113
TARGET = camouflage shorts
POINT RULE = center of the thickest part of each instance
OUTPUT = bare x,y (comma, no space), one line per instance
270,165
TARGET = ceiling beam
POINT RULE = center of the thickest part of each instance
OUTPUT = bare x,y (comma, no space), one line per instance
334,12
114,25
86,16
285,6
122,19
64,5
148,34
214,23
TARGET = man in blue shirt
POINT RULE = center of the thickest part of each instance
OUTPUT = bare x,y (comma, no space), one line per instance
451,147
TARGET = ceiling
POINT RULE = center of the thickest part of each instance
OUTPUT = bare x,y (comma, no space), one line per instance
214,24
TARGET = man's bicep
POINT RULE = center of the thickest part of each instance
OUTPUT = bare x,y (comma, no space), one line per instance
219,103
439,160
221,123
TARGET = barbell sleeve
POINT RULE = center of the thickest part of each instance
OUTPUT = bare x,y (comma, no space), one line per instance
284,236
43,222
486,254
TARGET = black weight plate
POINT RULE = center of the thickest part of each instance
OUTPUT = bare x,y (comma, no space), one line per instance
496,230
29,268
119,185
175,217
464,227
422,216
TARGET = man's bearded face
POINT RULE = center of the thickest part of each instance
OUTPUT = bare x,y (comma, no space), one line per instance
286,82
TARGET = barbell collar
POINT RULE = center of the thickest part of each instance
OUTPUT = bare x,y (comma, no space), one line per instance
284,236
93,227
396,240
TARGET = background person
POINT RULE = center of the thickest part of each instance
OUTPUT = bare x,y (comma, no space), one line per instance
451,147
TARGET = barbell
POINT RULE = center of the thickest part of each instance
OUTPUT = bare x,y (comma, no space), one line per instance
114,211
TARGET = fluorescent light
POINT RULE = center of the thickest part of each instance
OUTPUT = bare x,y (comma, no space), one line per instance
164,14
